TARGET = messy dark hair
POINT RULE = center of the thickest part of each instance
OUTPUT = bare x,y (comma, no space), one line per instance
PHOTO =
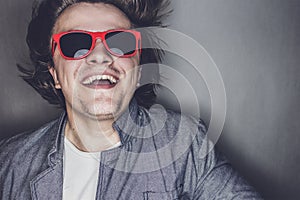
141,13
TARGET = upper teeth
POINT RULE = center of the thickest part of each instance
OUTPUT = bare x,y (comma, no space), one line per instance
100,77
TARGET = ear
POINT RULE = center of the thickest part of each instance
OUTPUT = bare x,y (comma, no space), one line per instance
54,75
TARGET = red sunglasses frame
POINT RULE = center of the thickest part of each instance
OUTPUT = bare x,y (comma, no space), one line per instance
95,36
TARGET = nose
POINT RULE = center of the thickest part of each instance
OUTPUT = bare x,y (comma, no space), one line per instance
99,54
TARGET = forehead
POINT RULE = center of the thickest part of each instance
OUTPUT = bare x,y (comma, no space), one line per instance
91,17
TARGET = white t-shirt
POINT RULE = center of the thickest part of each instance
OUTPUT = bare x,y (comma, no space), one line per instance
81,171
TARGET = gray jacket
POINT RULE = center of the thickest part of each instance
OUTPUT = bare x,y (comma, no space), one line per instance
163,155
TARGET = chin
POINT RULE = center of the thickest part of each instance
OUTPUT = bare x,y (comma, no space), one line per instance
102,111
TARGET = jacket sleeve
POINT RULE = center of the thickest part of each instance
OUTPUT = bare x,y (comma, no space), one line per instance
216,177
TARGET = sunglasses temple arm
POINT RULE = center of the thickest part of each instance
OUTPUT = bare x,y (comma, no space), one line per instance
53,45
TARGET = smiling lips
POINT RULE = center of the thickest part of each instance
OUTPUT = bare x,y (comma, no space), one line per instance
104,81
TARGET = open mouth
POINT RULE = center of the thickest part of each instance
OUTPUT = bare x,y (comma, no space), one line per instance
100,81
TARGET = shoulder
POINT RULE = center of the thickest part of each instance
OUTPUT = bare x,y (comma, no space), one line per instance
22,144
184,134
189,147
24,138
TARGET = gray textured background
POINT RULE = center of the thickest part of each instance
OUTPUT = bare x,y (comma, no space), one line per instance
255,44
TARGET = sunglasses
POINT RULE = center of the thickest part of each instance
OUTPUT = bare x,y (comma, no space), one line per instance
76,44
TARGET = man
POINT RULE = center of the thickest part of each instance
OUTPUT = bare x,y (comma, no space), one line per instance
107,145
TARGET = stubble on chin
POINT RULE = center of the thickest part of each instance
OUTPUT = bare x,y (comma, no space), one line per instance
102,112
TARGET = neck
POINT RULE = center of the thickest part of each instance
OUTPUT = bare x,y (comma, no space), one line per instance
91,135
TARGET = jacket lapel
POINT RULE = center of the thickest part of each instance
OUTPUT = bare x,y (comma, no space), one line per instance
49,184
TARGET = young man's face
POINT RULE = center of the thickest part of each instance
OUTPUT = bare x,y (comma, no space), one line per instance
84,93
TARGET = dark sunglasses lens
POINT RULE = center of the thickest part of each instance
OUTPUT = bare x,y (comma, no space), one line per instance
75,45
121,43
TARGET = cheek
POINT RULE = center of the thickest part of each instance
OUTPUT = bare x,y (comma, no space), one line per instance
127,65
66,69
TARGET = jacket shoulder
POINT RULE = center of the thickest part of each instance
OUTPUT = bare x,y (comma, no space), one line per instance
26,141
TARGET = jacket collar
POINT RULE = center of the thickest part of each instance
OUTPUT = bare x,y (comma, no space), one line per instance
49,183
129,121
56,153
